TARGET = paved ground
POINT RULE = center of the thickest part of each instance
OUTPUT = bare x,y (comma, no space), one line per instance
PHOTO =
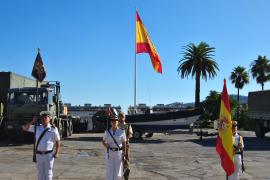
162,157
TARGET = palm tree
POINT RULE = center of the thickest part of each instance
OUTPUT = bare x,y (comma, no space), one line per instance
260,69
198,61
239,78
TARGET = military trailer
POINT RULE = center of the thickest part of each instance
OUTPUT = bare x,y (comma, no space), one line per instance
21,100
79,124
67,125
259,111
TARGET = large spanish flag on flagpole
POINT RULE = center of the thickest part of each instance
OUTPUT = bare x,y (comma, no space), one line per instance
145,45
224,146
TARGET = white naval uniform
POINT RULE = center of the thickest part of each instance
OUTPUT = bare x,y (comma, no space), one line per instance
45,162
113,159
237,159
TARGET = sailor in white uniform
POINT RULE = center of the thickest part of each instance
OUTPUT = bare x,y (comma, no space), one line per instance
238,145
44,149
114,140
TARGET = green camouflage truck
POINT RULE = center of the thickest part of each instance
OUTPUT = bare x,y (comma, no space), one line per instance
259,111
21,100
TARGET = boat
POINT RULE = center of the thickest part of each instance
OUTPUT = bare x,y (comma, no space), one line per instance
162,122
152,122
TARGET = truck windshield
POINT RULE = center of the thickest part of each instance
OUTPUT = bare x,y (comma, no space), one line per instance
27,97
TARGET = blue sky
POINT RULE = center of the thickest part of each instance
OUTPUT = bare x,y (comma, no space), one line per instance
88,45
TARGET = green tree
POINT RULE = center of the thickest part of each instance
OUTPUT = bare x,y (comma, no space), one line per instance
244,121
198,61
211,104
239,78
260,69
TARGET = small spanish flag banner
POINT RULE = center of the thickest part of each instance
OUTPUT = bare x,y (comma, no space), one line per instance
145,45
224,146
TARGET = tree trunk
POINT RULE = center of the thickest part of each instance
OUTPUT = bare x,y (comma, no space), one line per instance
238,103
197,90
262,86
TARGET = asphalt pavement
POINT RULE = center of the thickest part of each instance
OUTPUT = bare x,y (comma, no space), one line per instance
176,155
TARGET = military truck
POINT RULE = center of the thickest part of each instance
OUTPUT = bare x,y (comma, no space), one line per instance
259,111
21,100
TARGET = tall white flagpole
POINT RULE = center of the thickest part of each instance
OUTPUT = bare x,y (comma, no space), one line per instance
135,67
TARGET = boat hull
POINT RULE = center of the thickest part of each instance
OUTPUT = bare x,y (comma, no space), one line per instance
164,121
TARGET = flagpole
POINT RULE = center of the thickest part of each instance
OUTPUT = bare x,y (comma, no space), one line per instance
135,69
135,83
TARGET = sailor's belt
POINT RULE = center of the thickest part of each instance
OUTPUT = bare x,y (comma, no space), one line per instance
115,149
44,152
238,153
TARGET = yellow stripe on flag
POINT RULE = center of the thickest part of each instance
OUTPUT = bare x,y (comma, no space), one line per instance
224,146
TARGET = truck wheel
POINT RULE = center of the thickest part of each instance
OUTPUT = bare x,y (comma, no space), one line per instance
15,137
137,134
65,129
70,129
259,130
60,129
149,134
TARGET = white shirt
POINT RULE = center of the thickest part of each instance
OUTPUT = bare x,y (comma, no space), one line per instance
48,140
119,135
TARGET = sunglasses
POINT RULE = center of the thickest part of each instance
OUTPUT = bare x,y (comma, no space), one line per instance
234,125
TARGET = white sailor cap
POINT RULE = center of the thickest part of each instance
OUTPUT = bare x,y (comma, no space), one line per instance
113,114
45,113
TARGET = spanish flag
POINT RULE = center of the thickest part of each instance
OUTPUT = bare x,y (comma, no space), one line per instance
145,45
224,146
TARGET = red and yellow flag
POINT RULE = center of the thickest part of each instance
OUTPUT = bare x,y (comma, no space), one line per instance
145,45
224,146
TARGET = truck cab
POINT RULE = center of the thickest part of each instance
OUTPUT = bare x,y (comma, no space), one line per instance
259,111
24,103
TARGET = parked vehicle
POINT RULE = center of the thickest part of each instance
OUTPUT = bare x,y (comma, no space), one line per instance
22,100
79,124
67,125
162,122
259,111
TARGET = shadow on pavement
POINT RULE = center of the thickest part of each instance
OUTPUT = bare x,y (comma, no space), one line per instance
147,141
99,139
251,143
154,141
94,139
9,143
